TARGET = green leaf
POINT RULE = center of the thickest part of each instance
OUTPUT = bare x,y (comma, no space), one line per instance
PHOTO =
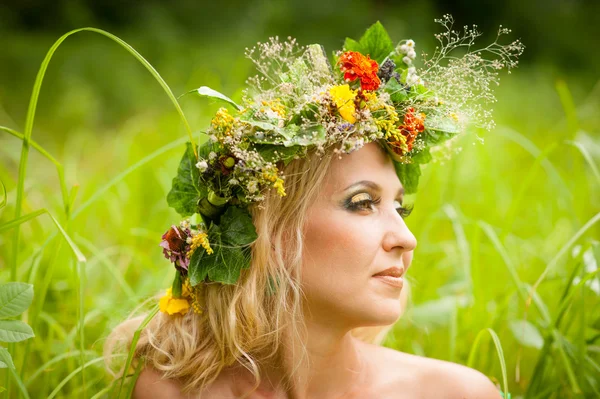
352,45
14,331
274,153
526,333
408,175
186,190
375,42
438,134
307,137
422,157
206,91
237,227
15,298
6,359
229,241
396,91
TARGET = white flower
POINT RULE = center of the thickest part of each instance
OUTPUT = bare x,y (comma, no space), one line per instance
233,182
202,165
212,155
252,187
412,70
412,80
412,54
407,60
410,43
404,49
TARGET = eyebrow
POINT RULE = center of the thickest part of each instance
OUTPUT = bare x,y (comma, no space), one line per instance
374,186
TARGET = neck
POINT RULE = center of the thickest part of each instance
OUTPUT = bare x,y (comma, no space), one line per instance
332,366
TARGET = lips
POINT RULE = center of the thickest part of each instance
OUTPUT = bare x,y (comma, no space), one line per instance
392,271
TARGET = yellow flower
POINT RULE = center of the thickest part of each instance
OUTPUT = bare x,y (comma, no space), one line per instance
343,98
198,240
171,305
279,186
223,121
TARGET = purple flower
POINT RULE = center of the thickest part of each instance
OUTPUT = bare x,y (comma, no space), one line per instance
175,246
345,126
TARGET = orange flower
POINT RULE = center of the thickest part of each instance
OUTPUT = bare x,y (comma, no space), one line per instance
357,66
413,125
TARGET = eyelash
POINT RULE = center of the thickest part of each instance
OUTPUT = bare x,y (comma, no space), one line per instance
359,205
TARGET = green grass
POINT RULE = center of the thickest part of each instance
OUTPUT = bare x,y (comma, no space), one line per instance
505,276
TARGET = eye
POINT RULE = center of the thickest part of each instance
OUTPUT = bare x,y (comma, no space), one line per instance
361,201
403,211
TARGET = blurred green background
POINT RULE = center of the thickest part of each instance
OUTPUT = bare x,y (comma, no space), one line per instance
491,222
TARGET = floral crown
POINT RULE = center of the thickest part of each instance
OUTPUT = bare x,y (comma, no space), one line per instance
300,100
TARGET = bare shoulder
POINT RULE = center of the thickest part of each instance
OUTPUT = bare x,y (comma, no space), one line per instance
421,377
151,385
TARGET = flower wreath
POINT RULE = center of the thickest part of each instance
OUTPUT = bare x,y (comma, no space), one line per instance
369,91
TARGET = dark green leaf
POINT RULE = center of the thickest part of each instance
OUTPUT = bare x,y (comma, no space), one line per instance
15,298
186,191
237,227
229,261
229,241
422,157
408,175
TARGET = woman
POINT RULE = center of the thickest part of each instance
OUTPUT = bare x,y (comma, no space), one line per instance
287,284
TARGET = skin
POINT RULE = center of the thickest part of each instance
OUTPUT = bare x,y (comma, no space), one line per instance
352,232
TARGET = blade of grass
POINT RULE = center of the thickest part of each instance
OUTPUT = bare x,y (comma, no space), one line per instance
567,363
74,373
58,165
19,382
561,252
16,222
115,180
499,352
138,371
80,270
489,231
530,147
3,202
53,361
134,341
110,266
588,158
462,243
568,104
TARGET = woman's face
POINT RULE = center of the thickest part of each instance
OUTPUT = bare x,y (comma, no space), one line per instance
353,231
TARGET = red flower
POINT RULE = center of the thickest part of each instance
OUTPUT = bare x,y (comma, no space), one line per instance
413,125
175,246
357,66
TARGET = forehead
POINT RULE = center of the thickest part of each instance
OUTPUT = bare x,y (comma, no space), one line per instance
367,163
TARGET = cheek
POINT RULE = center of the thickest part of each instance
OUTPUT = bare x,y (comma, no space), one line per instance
338,248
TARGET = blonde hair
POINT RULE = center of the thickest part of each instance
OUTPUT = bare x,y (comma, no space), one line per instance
244,323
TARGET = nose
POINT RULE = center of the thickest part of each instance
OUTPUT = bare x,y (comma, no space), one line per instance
397,234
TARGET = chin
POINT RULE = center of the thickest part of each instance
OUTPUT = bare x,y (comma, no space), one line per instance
381,313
